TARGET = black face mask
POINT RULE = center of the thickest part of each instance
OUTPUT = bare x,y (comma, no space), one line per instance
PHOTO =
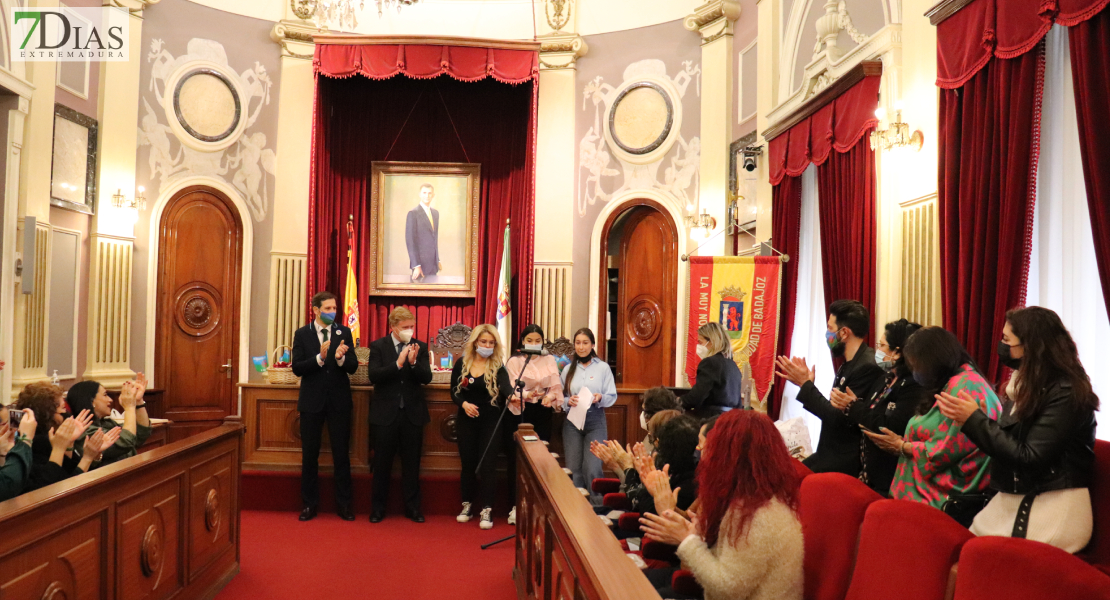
1005,357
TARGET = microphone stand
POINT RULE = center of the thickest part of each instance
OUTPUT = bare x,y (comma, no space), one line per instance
518,390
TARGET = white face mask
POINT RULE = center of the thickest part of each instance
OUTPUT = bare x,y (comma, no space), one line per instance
405,335
702,351
643,421
484,352
880,356
533,347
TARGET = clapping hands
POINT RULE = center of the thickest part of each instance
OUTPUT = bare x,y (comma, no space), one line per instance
658,483
794,370
842,400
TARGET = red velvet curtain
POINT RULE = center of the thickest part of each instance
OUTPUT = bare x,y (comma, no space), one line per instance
786,224
989,144
1090,65
846,204
440,119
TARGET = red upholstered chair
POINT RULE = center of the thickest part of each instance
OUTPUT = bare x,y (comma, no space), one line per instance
685,583
803,471
832,509
606,485
1098,551
906,551
1002,568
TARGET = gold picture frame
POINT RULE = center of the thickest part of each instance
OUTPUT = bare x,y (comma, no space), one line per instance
424,246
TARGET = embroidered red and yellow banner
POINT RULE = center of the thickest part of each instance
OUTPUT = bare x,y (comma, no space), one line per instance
741,293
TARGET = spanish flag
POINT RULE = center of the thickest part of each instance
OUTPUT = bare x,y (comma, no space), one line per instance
742,294
350,296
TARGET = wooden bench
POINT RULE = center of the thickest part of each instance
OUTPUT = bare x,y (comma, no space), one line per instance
161,524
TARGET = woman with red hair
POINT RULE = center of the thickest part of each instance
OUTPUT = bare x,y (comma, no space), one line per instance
745,543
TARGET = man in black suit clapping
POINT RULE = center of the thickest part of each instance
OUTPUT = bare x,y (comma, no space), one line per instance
399,369
320,359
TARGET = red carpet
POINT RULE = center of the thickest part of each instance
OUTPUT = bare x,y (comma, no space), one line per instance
284,559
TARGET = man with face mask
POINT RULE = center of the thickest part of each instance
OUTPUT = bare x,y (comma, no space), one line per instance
320,359
399,368
838,446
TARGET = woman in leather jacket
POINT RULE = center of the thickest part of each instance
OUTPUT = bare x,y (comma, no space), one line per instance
1042,447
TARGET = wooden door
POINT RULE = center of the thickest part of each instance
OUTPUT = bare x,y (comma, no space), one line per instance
200,253
646,284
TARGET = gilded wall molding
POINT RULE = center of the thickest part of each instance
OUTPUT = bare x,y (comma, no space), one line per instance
714,19
561,51
295,38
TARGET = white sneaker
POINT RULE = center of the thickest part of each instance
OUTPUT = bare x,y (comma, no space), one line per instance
464,516
512,516
487,519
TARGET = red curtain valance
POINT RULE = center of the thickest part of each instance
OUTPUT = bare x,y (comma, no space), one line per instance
967,40
835,126
382,61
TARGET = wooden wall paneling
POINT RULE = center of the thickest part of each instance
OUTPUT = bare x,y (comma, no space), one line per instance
212,523
70,563
148,526
122,531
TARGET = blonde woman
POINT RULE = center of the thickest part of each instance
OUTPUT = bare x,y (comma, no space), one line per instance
479,386
718,385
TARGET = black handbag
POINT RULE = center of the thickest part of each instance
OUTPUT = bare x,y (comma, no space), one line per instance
964,507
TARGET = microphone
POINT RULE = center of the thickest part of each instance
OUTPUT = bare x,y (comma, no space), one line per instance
540,352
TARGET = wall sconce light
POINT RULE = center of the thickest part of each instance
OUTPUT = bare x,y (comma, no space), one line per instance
897,134
138,203
704,221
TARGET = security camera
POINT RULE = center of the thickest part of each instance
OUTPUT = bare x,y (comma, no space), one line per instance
749,163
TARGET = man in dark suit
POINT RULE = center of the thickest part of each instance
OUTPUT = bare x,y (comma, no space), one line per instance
320,359
398,368
838,448
422,238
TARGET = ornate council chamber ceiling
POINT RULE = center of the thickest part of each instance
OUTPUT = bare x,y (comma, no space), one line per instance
200,121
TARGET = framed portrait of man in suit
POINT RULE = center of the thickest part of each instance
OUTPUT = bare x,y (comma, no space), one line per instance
424,223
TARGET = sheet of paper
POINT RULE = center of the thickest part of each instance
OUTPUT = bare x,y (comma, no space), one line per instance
577,414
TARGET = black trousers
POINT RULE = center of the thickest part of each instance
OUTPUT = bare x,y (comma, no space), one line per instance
474,434
540,418
312,431
408,440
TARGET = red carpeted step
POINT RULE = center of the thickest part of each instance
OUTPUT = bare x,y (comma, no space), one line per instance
284,559
281,491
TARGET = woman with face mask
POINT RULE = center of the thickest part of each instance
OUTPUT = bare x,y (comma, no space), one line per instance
538,373
136,428
586,371
886,409
938,465
1042,447
719,385
479,386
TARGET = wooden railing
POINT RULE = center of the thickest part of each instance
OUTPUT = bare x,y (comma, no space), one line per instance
273,438
161,524
563,550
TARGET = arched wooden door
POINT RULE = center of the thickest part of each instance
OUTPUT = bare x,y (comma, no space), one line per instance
640,319
200,253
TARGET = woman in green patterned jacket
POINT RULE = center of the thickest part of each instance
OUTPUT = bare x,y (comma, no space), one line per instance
937,462
136,423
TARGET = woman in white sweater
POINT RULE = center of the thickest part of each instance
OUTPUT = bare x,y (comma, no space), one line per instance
745,542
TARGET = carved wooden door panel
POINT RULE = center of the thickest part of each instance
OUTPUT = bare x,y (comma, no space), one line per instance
646,299
199,261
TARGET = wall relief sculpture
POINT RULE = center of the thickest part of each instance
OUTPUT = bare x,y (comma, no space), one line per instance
636,124
198,123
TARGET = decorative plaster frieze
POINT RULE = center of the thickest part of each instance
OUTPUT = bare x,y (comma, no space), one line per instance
886,45
295,38
561,51
713,19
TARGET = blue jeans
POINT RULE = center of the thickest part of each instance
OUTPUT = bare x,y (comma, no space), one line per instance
584,466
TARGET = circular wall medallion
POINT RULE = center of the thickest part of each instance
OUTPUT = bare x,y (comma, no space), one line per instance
207,105
55,591
641,117
448,428
197,309
152,553
643,321
212,510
